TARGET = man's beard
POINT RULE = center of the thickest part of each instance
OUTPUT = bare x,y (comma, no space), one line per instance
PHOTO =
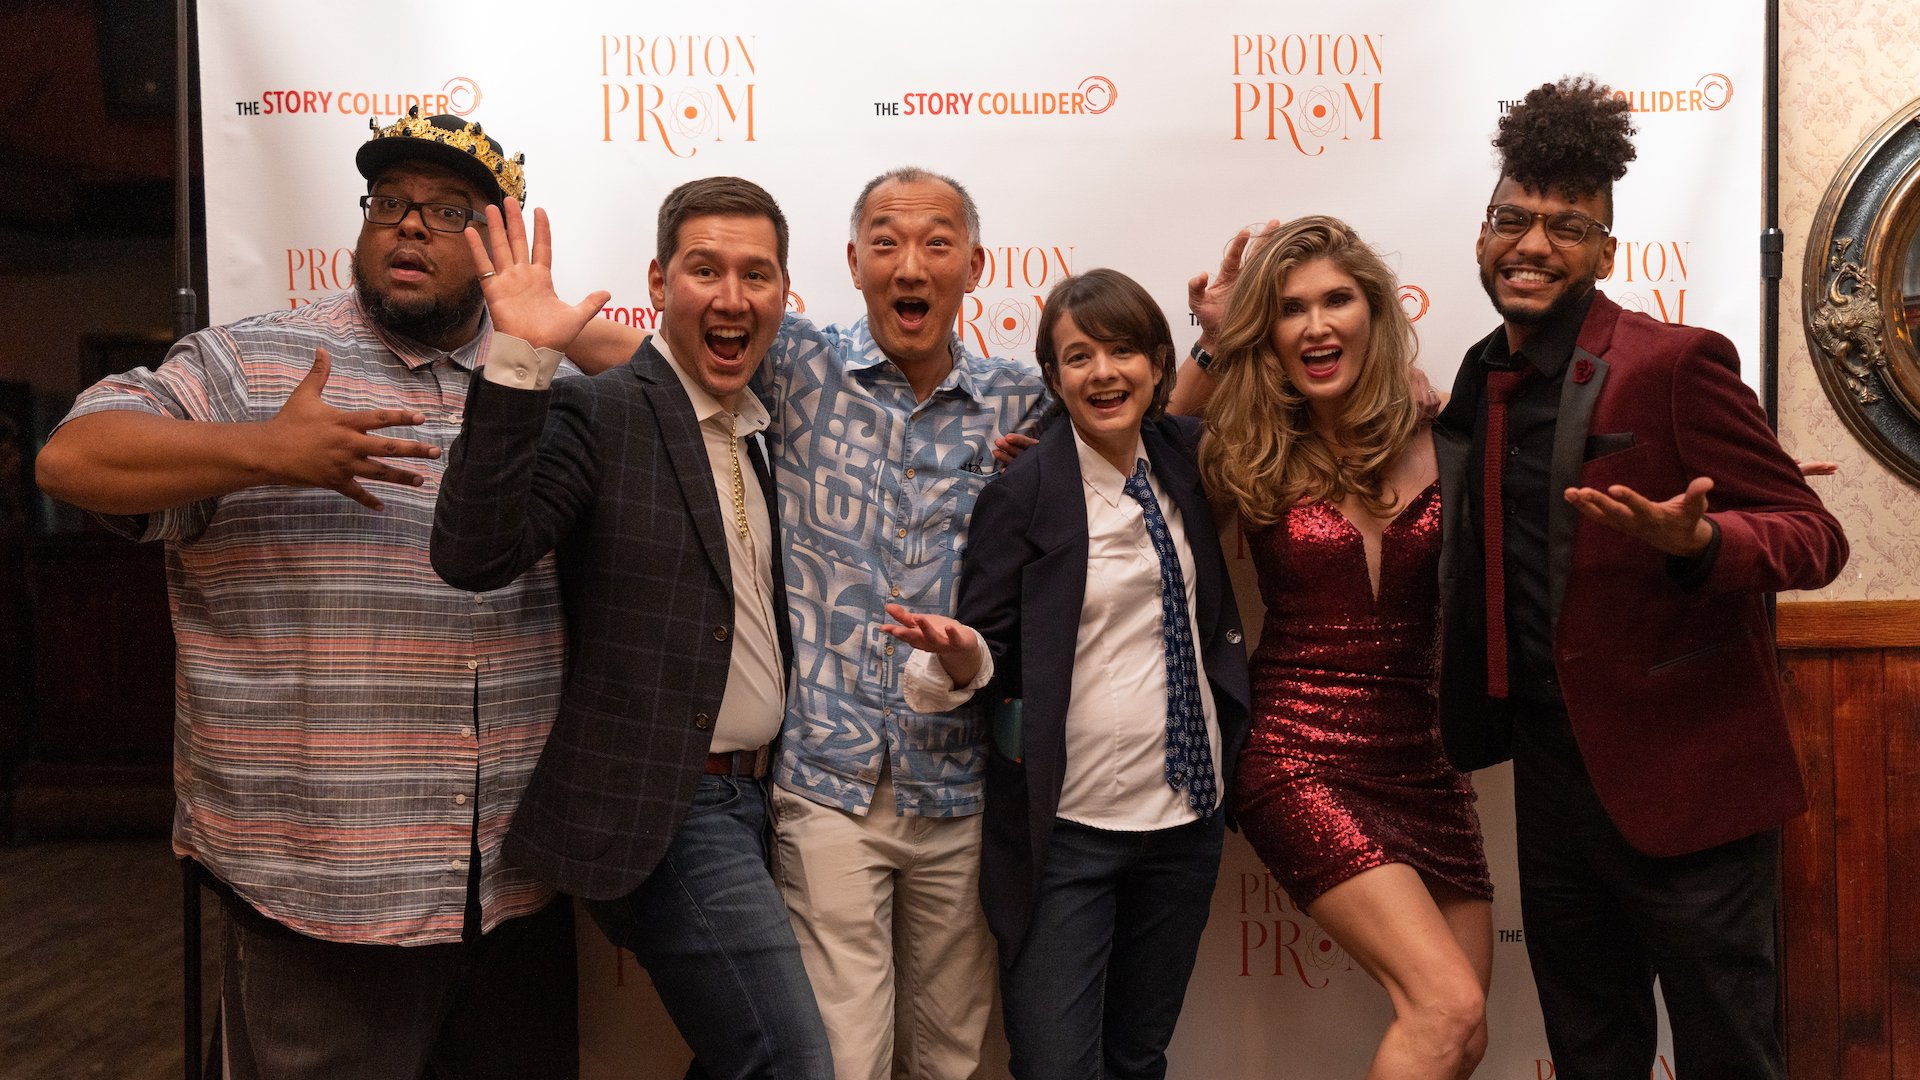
1566,301
428,320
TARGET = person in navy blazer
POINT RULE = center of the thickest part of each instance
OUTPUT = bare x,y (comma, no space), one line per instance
1098,871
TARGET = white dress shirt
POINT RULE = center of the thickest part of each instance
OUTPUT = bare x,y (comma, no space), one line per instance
1117,711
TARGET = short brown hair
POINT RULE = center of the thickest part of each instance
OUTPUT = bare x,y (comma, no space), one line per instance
725,196
1113,309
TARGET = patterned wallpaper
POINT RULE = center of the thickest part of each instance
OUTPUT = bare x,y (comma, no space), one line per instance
1845,66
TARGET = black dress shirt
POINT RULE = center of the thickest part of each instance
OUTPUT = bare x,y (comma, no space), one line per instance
1532,414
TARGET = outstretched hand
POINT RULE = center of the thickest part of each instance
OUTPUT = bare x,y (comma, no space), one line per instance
949,640
1677,526
517,280
1207,298
309,443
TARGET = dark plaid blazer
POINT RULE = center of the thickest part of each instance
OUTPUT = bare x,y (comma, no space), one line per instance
610,473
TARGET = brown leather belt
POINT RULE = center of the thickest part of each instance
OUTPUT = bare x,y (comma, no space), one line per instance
739,763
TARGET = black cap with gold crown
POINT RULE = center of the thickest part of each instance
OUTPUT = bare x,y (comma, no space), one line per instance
449,142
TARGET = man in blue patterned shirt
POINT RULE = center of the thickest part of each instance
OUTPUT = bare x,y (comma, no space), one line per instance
882,436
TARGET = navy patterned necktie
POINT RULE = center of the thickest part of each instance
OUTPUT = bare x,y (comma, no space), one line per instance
1189,762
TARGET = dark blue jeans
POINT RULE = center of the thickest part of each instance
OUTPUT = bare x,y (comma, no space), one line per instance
711,929
1097,987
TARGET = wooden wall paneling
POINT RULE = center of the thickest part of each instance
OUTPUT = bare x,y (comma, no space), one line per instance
1900,708
1809,905
1860,854
1848,624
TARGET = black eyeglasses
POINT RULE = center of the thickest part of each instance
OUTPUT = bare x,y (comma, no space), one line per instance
439,216
1568,228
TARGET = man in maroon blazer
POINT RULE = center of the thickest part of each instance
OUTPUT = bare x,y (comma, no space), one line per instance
1608,631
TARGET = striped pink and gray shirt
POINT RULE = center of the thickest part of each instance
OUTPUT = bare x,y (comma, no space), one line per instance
342,712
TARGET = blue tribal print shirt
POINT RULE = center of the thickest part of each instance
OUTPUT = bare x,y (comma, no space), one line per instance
875,493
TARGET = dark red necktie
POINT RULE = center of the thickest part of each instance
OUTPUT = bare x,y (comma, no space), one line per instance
1494,451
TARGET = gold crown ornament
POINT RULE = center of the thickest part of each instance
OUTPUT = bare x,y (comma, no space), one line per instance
450,142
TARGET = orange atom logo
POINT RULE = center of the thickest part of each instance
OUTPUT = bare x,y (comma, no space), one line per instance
1007,324
1319,111
692,113
1323,952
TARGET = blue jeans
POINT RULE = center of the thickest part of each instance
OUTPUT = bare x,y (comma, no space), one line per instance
1097,987
712,931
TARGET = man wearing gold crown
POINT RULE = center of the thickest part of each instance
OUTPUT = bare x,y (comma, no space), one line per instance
352,734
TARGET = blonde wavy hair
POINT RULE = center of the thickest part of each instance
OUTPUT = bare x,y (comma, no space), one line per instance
1260,452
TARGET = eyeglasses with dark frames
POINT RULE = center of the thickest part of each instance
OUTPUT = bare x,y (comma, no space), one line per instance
1565,229
438,216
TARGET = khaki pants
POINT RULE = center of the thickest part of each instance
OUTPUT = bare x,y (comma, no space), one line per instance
887,912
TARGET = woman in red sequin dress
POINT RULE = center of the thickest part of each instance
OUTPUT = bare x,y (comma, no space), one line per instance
1312,436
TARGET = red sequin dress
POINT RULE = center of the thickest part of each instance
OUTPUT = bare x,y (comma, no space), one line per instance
1343,770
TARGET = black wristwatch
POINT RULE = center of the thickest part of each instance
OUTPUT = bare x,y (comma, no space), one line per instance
1201,357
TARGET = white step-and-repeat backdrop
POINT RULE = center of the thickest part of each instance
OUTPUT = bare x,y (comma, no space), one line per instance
1122,133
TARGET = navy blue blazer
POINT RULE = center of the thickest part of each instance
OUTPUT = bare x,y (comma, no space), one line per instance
1022,584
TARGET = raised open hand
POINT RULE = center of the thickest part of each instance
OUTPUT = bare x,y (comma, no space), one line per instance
517,280
1207,298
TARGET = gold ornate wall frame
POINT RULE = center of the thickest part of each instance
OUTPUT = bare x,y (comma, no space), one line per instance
1861,302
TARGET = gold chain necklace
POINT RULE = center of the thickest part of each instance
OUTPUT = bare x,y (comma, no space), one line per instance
739,487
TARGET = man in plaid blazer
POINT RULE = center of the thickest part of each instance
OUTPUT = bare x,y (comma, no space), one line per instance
649,801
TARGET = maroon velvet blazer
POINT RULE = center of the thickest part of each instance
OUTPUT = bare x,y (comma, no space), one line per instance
1673,691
